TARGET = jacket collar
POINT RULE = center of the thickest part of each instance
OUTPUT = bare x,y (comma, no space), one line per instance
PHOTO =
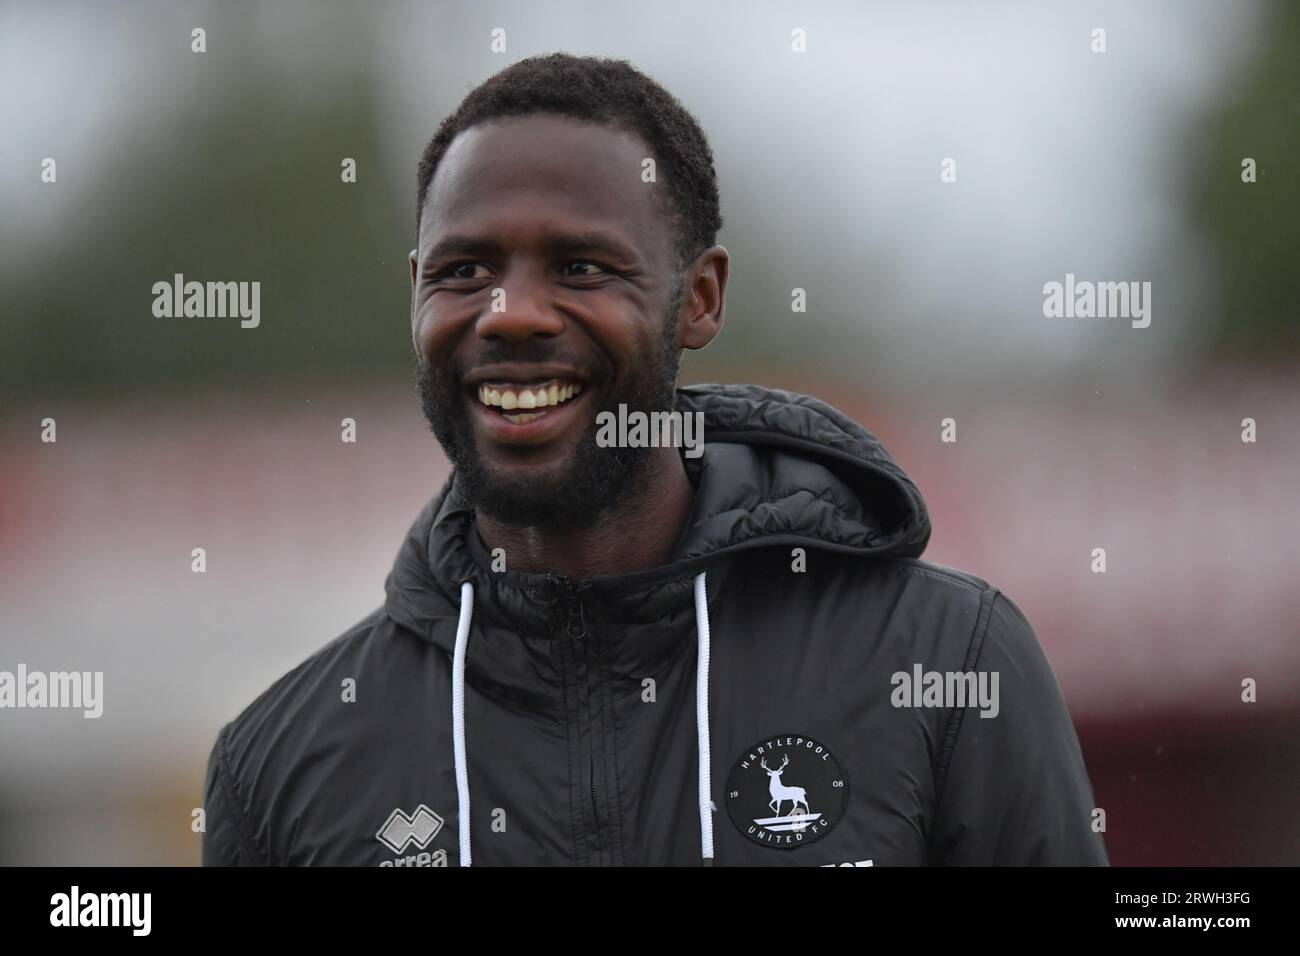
778,469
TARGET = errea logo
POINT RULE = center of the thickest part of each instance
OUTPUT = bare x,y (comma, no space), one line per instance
400,831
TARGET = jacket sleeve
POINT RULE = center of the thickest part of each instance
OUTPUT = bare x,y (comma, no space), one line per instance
1012,789
225,841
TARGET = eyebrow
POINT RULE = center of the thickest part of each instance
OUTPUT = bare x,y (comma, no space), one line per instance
556,243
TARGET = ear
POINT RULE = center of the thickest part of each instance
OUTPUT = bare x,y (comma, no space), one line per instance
704,301
415,267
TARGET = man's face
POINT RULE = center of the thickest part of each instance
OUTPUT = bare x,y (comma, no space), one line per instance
544,290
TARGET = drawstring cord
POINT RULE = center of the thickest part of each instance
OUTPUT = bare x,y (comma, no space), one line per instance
458,718
701,719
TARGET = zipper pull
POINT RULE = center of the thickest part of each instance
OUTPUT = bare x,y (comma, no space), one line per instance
577,620
576,624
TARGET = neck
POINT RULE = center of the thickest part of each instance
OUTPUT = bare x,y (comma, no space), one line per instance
635,534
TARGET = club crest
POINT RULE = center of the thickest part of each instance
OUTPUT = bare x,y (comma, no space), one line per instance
787,791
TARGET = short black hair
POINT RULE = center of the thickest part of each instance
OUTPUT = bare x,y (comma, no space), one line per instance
608,91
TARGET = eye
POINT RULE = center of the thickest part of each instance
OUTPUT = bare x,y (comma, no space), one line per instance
589,268
465,270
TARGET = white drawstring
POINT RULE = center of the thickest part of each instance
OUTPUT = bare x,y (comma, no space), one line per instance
458,717
701,719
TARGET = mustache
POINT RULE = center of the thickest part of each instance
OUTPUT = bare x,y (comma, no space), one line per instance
532,351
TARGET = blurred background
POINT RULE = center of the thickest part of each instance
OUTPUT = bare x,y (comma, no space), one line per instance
924,302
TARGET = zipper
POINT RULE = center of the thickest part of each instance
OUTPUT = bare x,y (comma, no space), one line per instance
576,629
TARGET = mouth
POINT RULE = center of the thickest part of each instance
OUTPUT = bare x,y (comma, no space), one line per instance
523,402
513,410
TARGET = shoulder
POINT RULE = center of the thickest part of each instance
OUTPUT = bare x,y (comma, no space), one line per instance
329,718
270,754
990,622
928,611
300,687
321,701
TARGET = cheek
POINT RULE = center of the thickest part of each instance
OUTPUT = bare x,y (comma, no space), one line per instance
650,345
435,334
631,344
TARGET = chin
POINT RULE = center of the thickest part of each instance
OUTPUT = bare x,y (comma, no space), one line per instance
530,496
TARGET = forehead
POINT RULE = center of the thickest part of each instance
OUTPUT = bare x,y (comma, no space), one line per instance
509,175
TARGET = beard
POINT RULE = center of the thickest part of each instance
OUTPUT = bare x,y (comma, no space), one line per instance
594,480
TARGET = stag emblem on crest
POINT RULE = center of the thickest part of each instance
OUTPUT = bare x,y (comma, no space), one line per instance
780,792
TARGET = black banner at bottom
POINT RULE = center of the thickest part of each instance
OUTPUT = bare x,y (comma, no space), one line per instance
333,905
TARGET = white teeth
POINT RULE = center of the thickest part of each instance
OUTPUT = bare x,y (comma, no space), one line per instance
542,396
525,417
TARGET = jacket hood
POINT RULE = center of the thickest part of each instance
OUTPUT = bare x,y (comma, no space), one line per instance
778,469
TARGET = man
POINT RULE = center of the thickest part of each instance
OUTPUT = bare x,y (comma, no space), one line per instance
606,652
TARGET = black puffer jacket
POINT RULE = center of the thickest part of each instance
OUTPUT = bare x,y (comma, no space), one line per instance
765,699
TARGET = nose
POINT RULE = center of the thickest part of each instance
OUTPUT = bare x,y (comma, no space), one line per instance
519,309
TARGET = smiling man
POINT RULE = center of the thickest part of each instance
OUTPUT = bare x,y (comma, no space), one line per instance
604,653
